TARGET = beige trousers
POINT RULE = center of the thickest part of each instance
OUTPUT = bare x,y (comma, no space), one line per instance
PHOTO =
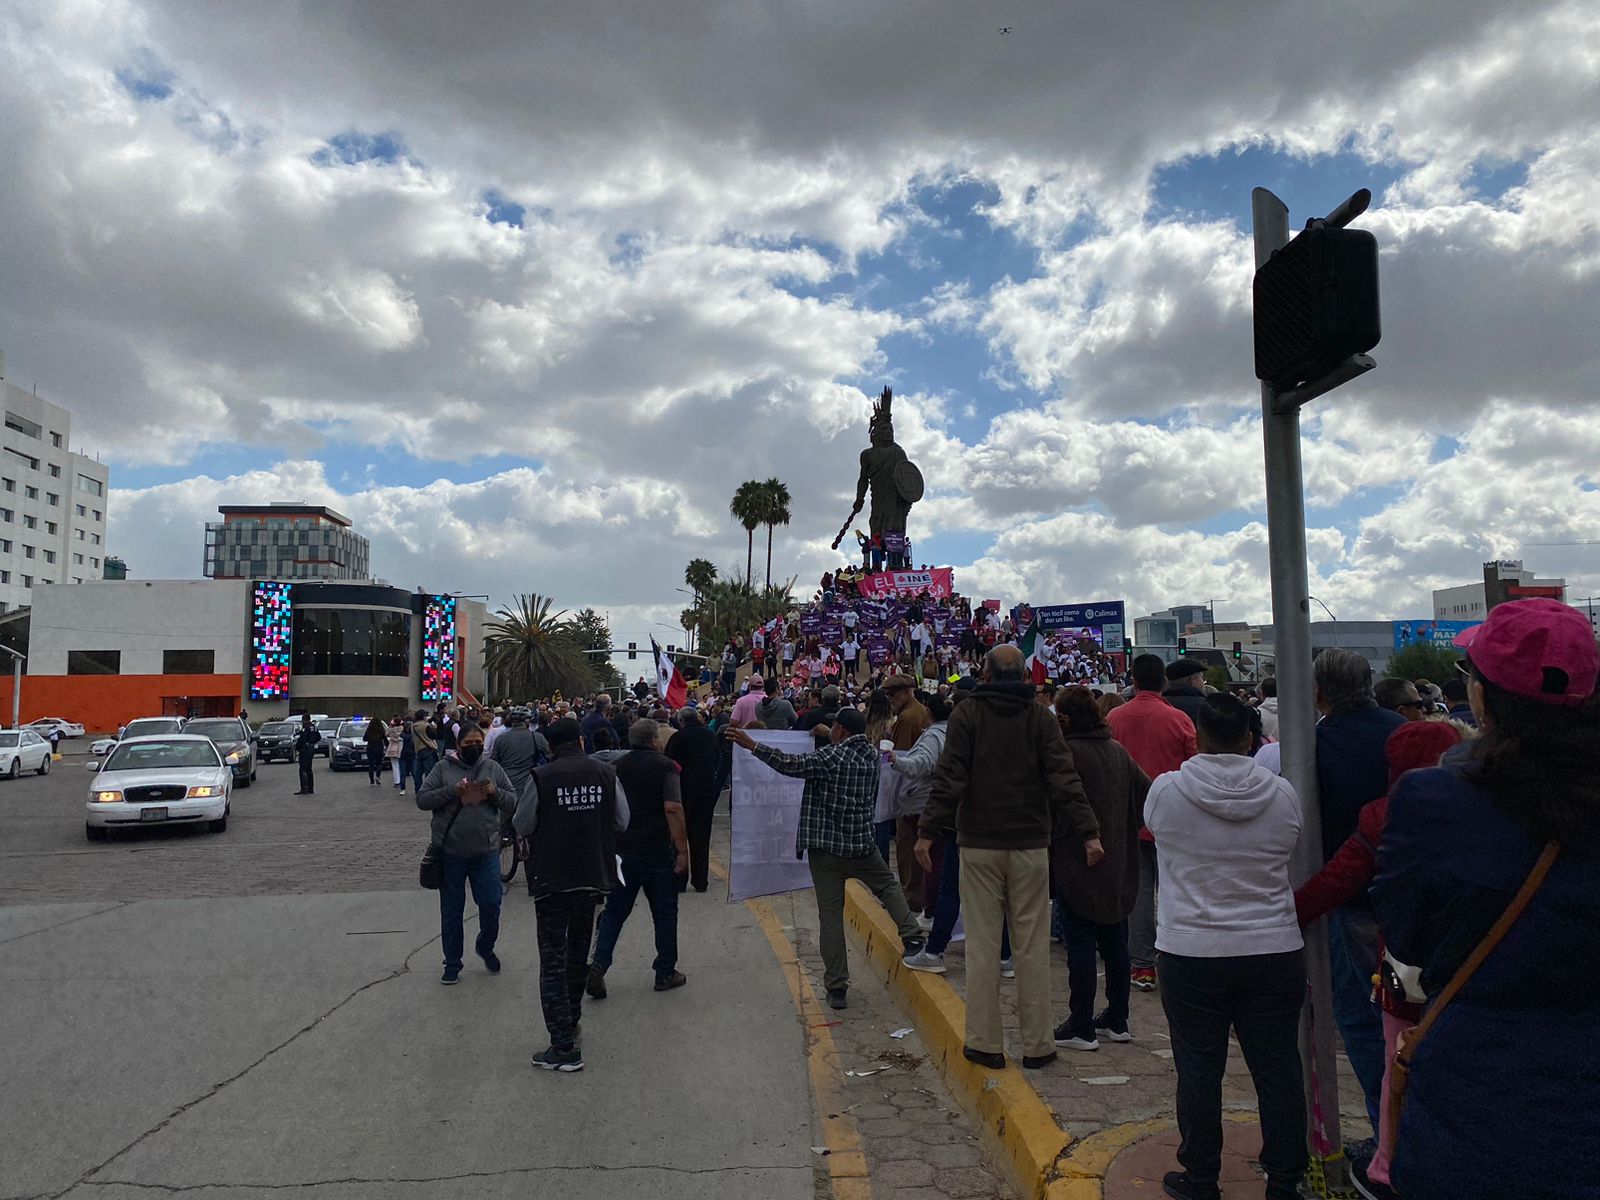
1011,886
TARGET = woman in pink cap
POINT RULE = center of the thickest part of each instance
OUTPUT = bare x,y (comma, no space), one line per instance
1489,881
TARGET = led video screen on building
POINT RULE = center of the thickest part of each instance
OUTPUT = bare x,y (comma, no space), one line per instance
439,648
271,631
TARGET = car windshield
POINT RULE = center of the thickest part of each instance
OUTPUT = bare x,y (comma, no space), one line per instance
329,726
146,725
149,756
9,740
277,728
352,729
217,731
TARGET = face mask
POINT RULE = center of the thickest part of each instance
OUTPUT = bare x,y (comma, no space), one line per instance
470,753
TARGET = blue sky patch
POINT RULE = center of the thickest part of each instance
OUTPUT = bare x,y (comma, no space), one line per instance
502,210
1491,180
1218,186
353,146
145,85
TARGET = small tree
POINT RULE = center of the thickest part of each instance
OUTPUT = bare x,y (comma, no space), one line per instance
1423,660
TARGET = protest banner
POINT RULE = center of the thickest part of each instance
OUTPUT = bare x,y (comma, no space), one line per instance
939,582
765,809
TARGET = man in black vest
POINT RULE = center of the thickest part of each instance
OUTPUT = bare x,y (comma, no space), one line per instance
306,740
570,813
655,851
694,748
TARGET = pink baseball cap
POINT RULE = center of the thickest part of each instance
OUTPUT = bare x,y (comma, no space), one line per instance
1538,649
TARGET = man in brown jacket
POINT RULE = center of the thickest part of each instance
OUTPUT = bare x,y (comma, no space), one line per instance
1006,784
911,719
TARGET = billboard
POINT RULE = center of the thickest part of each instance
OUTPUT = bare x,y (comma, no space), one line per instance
1437,633
1102,621
439,648
271,630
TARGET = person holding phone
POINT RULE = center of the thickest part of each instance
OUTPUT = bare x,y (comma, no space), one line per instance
468,796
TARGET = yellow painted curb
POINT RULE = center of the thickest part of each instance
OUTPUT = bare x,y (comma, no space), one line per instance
1020,1133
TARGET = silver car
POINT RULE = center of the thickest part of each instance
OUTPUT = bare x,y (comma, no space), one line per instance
176,778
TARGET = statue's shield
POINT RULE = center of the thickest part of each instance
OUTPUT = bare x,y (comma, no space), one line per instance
908,481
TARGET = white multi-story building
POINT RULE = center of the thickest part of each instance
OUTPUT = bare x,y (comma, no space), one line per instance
52,501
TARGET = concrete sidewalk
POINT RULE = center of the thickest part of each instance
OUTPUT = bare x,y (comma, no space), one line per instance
258,1043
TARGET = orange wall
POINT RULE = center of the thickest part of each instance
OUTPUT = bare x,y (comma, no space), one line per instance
104,703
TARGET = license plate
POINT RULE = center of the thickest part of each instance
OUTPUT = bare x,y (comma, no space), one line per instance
152,814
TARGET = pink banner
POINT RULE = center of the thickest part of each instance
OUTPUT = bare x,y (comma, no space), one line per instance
938,583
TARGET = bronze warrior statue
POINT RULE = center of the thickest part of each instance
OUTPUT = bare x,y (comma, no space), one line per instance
893,479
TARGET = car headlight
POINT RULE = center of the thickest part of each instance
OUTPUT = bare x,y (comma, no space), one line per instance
204,792
106,797
236,756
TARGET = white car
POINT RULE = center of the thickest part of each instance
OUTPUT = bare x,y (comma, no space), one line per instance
23,750
44,726
141,726
100,747
162,780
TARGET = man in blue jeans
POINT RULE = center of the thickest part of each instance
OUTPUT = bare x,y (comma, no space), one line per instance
654,851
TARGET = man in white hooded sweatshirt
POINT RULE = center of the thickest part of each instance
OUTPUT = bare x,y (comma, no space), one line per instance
1229,947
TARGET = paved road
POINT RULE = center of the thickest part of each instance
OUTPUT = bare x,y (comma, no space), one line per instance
241,1013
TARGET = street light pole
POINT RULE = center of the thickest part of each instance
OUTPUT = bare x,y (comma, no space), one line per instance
16,686
1331,617
1291,618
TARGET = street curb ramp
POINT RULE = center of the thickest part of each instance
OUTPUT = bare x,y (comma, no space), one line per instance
1019,1130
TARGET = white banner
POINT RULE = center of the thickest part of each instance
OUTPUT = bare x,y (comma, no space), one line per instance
765,808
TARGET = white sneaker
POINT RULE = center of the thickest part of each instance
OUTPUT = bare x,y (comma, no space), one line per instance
924,923
933,964
1008,968
1066,1041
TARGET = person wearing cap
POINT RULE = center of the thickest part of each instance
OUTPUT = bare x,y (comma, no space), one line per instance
1185,686
1352,771
1513,1060
571,812
835,836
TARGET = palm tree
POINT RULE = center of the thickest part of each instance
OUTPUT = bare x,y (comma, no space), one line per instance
747,506
531,652
774,512
700,574
735,606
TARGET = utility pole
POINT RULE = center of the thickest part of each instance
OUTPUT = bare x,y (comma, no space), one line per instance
1291,619
16,687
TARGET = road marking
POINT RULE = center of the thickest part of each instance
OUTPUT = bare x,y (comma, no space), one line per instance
846,1155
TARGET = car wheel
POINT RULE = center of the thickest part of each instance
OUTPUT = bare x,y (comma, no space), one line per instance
220,825
44,767
15,769
96,833
252,772
244,781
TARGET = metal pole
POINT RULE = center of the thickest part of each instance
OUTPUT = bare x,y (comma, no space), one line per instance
16,693
1291,619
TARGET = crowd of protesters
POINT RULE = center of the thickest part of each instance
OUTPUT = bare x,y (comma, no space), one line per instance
1147,827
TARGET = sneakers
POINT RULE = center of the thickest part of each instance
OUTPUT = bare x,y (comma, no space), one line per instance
1368,1186
837,999
568,1060
925,922
995,1062
1036,1062
596,987
1071,1039
910,946
665,983
933,964
1112,1033
1008,968
491,961
451,975
1179,1186
1143,978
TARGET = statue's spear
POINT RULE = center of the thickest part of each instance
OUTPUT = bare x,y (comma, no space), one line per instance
845,528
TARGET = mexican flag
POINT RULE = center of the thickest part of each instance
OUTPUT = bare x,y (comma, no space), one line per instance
669,680
1033,642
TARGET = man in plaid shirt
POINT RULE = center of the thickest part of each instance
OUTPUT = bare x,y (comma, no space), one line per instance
835,836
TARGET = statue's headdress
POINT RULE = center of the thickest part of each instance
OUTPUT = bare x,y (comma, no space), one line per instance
882,420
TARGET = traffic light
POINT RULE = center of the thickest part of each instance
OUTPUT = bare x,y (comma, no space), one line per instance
1183,645
1316,304
1238,651
670,647
633,650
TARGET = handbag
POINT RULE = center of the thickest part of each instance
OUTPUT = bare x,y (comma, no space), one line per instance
1406,1049
430,873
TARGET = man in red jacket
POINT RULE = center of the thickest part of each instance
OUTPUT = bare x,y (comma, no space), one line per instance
1159,738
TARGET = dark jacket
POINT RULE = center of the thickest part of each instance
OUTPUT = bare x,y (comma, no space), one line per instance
592,724
1352,770
1514,1060
694,749
775,712
1116,788
476,831
1187,700
1005,780
570,813
519,750
306,740
650,780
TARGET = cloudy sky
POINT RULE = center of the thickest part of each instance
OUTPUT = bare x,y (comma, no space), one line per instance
529,288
